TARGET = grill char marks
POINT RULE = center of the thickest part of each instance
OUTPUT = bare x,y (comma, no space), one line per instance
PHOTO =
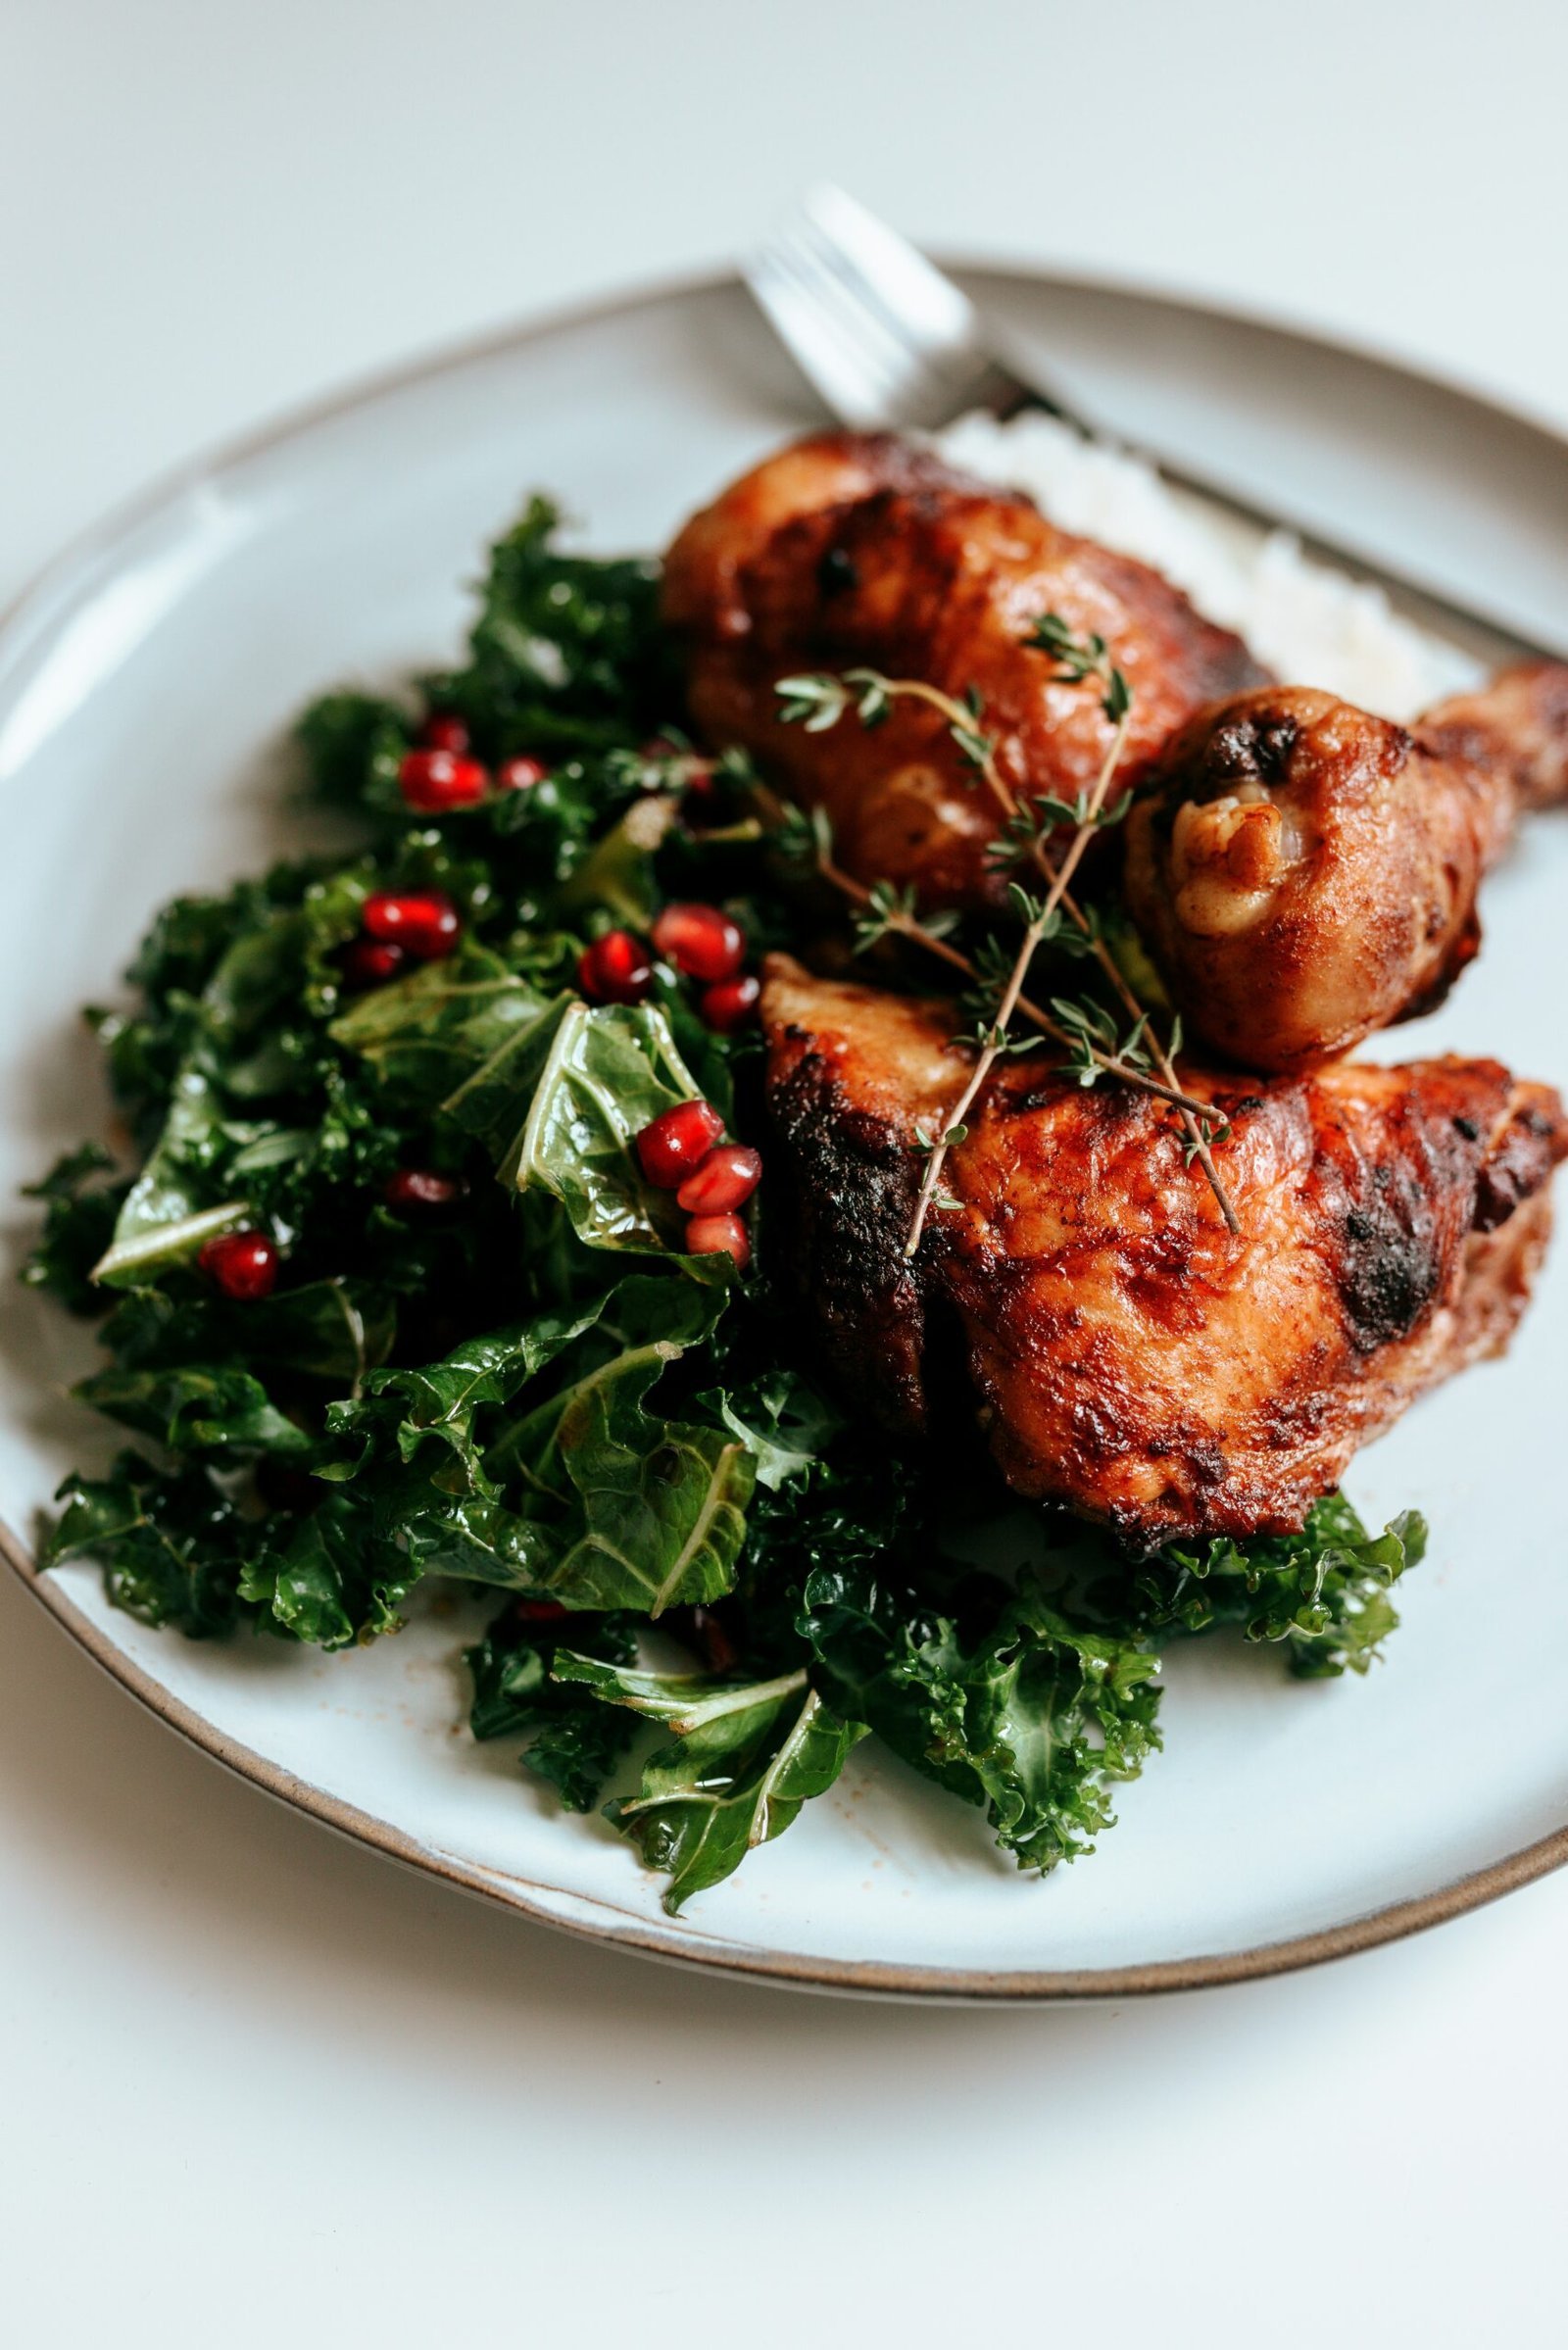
1131,1357
852,1186
1255,747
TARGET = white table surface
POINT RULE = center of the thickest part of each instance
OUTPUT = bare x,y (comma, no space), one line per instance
258,2087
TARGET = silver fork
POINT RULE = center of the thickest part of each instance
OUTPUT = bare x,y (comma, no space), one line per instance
892,344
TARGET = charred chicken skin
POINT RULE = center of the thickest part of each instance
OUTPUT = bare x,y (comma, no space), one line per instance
1133,1358
1303,873
859,550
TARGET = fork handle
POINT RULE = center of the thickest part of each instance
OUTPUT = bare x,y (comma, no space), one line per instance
1492,639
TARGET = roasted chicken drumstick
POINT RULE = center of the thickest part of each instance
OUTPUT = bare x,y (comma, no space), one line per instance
1303,873
862,550
1131,1357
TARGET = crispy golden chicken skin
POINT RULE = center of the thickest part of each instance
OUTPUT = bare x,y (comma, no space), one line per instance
863,550
1133,1358
1303,873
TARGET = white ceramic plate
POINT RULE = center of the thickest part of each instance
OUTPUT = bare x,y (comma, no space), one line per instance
143,688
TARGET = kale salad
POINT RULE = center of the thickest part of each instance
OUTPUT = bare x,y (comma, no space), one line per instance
436,1244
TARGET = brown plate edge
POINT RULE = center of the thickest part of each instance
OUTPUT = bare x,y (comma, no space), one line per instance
870,1978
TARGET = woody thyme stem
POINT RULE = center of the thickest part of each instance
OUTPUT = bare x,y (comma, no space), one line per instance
996,1042
905,926
822,701
1195,1118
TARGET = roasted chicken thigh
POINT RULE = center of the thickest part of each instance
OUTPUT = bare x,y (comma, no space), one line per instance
862,550
1303,873
1130,1356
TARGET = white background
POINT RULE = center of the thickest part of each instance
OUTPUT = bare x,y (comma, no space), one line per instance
260,2087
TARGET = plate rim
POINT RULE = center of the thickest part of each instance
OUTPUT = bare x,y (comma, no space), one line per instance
67,574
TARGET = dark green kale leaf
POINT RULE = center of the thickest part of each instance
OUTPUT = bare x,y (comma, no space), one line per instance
191,1408
784,1423
1031,1715
577,1491
432,1033
826,1496
332,1577
647,1512
575,1740
238,1043
453,1404
743,1759
1322,1592
585,1081
80,1217
567,653
179,960
175,1549
327,1333
353,745
171,1544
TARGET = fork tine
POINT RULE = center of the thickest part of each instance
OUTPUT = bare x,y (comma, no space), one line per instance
887,274
858,370
850,357
942,375
885,337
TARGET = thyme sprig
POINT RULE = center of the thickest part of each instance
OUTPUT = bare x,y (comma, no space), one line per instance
807,839
994,1043
820,700
1082,661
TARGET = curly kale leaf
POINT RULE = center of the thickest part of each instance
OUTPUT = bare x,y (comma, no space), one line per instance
783,1422
743,1759
1323,1593
336,1578
171,1545
194,1408
239,1049
1033,1717
322,1333
353,745
575,1491
566,653
175,1549
575,1740
80,1216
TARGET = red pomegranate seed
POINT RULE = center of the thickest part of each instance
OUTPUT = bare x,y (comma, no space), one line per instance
708,1235
421,1187
425,924
242,1264
675,1143
367,963
444,730
520,774
700,939
433,781
614,969
726,1179
729,1003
